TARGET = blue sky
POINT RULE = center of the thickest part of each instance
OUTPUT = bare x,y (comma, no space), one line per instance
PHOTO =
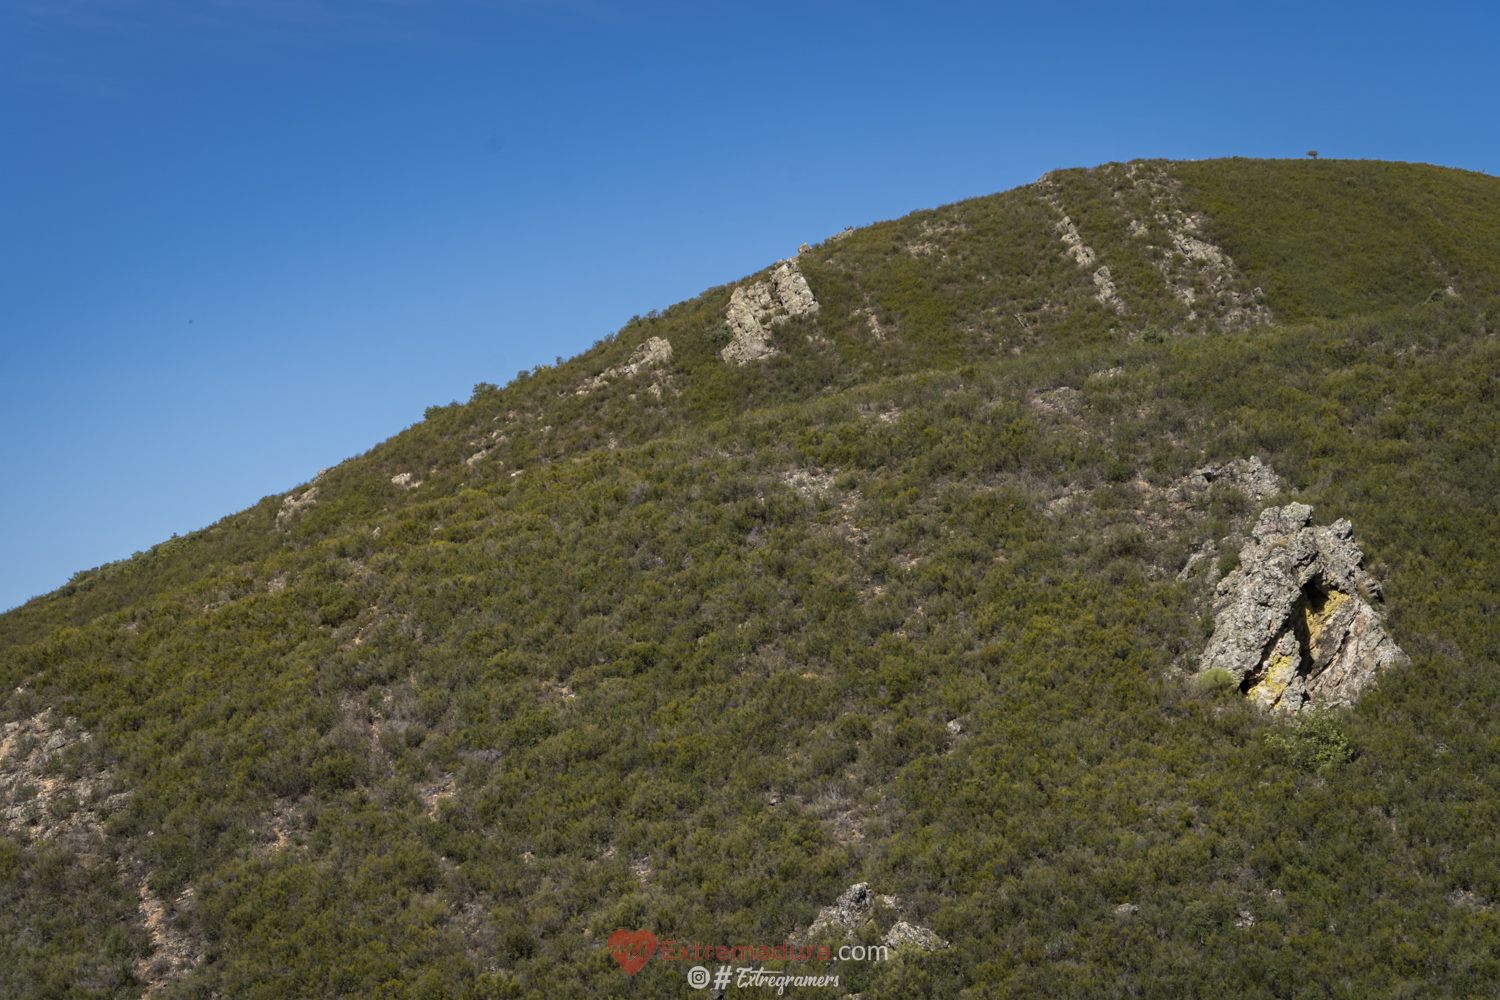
246,239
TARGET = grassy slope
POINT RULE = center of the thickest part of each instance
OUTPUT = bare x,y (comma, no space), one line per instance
1331,238
726,639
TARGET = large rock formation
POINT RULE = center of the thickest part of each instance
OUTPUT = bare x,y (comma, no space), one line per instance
1292,622
754,309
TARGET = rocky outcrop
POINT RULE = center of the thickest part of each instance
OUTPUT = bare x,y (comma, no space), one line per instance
850,911
292,505
654,353
1292,624
1107,295
45,797
754,309
856,906
1083,255
1248,475
1081,252
1060,401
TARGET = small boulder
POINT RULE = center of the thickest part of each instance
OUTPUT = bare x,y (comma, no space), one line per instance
905,935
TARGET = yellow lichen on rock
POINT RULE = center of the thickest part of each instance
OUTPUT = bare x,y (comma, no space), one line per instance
1316,618
1278,676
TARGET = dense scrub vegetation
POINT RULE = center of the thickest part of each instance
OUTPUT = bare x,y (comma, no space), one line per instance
690,663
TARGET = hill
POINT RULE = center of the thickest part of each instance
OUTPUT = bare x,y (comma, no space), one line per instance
652,639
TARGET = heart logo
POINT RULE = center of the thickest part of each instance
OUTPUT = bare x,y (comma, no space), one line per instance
632,949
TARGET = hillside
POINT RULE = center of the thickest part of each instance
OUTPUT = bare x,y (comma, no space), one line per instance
649,639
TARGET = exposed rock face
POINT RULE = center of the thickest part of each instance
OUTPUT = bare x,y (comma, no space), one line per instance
1292,625
1200,274
654,353
1062,400
1084,255
754,309
41,801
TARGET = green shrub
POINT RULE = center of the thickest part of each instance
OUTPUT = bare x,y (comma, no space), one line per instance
1216,681
1313,741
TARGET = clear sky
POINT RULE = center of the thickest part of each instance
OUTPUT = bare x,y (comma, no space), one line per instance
241,240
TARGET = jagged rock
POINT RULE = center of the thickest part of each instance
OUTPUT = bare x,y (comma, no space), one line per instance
1292,625
747,304
1105,291
1248,475
793,292
856,907
1127,910
1207,551
903,934
654,353
755,308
